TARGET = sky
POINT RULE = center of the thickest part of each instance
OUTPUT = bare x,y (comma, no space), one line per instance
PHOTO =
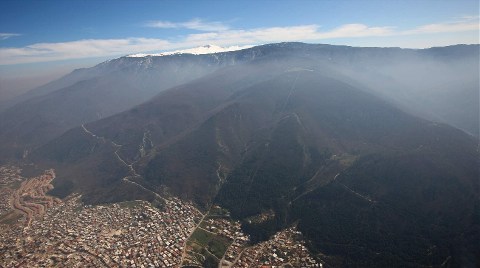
46,39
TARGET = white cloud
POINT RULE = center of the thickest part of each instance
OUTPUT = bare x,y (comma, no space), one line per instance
285,34
162,24
468,18
462,24
218,34
254,36
356,30
194,24
43,52
4,36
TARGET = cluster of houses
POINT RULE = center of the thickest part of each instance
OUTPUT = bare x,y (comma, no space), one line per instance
115,235
8,176
132,234
284,249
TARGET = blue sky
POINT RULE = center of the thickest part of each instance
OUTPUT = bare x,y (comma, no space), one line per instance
36,36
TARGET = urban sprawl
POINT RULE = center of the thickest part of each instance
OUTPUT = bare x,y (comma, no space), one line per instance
37,230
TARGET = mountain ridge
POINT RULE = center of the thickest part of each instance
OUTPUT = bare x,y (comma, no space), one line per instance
143,70
337,140
288,140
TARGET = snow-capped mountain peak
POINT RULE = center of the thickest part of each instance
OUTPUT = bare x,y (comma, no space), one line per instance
207,49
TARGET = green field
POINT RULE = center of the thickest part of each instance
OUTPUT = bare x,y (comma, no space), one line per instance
213,243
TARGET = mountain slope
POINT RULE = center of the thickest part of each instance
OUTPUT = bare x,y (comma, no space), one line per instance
92,94
367,183
431,83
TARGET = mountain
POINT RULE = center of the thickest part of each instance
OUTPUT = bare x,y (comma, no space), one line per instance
90,94
207,49
303,134
430,83
398,75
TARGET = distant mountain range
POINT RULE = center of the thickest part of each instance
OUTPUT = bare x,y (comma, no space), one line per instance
373,152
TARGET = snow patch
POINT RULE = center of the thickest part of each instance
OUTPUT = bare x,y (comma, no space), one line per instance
208,49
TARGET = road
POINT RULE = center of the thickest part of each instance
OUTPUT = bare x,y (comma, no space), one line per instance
34,190
135,174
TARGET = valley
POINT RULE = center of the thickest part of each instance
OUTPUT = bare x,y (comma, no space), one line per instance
285,154
58,233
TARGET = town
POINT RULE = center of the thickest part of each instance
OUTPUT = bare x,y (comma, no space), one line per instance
67,233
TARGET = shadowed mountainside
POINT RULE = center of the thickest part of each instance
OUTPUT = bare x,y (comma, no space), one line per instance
90,94
439,84
368,183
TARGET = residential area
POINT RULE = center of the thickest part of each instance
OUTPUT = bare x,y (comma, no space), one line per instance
67,233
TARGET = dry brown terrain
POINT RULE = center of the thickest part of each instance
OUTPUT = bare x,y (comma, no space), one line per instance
31,198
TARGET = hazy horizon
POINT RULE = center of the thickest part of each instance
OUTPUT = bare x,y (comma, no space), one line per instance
224,134
36,47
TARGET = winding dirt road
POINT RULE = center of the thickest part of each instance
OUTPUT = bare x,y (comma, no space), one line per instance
31,198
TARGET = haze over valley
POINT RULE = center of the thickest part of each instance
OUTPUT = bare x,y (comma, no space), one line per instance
256,149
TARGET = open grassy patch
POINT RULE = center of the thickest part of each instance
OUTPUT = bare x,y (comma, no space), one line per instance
213,243
218,246
202,237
